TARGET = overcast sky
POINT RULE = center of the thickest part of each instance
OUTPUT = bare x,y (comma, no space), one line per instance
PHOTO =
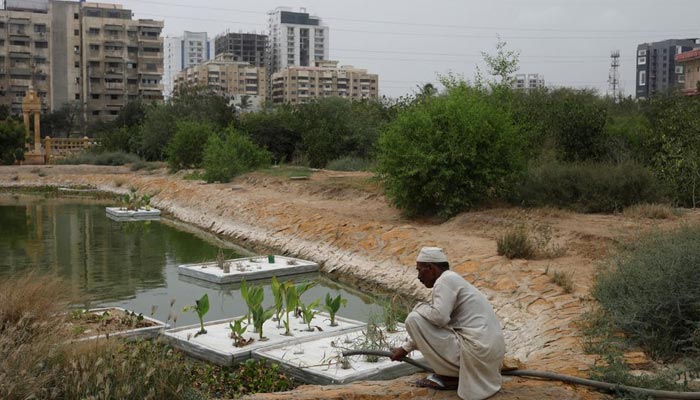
409,42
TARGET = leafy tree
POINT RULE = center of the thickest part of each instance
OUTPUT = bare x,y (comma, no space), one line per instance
12,144
577,120
274,130
201,104
448,154
157,129
4,112
231,156
186,148
676,143
64,122
503,65
336,127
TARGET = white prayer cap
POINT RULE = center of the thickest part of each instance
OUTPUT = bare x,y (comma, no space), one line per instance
431,255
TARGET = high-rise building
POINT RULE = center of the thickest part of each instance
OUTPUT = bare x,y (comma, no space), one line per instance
528,82
656,66
228,77
90,54
296,39
181,52
244,47
689,63
302,84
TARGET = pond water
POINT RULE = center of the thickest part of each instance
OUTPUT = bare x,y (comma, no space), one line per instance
131,264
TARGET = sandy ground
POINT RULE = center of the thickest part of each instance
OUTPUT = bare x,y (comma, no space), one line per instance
343,221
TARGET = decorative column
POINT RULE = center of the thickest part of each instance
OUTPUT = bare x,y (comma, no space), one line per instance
25,114
37,132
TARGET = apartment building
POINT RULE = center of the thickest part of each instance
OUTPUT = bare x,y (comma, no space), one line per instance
528,82
656,66
181,52
228,77
24,53
297,85
689,63
245,47
90,53
296,39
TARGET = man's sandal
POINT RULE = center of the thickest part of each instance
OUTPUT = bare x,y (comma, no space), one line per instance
432,381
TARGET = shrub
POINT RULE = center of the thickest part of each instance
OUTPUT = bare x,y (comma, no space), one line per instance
516,244
275,131
651,211
588,187
233,155
577,119
349,164
650,291
11,142
108,158
156,131
448,153
186,148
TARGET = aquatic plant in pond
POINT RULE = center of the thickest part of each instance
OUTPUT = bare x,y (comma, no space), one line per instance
292,294
237,331
246,297
308,312
201,308
279,300
132,202
332,305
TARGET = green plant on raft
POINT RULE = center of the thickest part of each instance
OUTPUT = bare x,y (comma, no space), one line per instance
308,312
278,294
201,308
261,315
333,305
291,300
237,331
245,296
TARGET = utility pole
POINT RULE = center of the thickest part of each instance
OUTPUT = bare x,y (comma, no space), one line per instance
614,75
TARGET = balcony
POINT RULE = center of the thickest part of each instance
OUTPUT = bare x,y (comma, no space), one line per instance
114,53
114,85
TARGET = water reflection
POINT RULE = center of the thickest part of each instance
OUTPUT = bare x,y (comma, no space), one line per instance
130,264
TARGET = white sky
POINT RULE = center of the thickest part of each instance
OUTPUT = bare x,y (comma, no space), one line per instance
409,42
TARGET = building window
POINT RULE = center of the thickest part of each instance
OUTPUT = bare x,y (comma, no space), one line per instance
95,96
76,32
642,78
76,16
679,69
641,60
77,64
77,96
681,78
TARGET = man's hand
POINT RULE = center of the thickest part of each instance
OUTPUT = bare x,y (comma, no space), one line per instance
397,353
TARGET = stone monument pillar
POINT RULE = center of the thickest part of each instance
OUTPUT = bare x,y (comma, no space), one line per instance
31,104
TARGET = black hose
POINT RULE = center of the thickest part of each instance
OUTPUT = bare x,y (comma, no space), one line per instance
611,387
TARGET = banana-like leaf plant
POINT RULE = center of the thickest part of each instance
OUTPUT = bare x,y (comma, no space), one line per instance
201,308
308,312
278,293
333,306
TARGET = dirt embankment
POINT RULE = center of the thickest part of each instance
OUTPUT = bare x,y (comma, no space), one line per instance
341,221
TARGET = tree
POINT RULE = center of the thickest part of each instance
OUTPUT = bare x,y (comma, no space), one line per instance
12,144
502,66
67,121
232,155
446,155
4,112
186,148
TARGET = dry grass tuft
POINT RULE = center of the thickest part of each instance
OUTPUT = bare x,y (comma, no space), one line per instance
651,211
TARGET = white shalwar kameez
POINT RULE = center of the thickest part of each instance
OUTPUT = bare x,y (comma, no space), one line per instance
459,334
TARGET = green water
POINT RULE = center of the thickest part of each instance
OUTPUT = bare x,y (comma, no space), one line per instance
128,264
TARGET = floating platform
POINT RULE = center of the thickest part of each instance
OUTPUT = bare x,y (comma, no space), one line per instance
217,346
250,268
147,332
320,361
122,214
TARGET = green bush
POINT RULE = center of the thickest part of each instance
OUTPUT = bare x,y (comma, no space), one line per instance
350,164
186,148
275,131
448,153
577,120
233,155
11,142
155,133
651,292
588,187
108,158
